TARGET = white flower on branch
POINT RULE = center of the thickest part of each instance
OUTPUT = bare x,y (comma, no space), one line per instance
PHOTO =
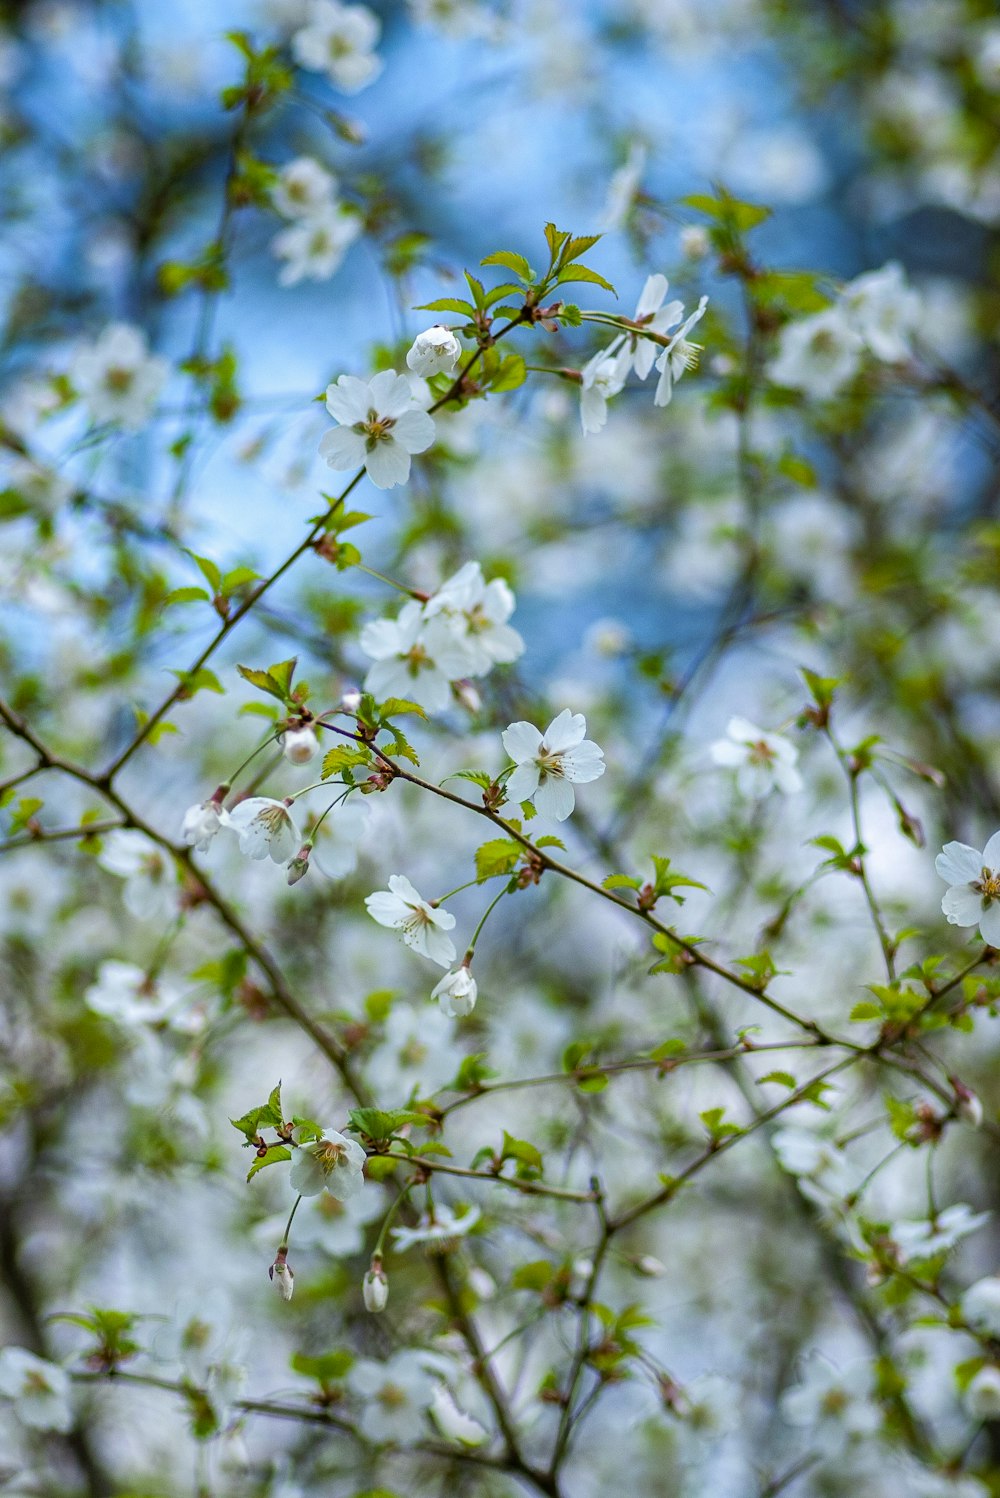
476,613
547,765
457,993
836,1406
333,1163
636,352
314,247
380,426
973,898
982,1397
200,825
763,761
340,40
415,658
884,311
394,1397
601,378
300,745
817,355
40,1390
438,1230
150,891
679,356
126,993
375,1288
117,377
927,1237
303,188
981,1305
434,351
265,827
421,925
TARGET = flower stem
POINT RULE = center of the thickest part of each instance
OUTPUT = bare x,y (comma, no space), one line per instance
288,1225
485,917
387,1219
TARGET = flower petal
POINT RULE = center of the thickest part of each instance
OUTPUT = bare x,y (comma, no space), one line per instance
963,906
522,741
555,798
959,864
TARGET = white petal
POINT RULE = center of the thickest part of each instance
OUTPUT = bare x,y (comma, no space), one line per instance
391,393
989,924
522,741
584,763
959,864
349,400
341,448
388,464
401,886
415,430
555,798
565,731
963,906
523,783
991,853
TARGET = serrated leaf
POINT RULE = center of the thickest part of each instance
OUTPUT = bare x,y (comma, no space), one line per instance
263,681
382,1123
517,263
576,272
865,1011
621,881
783,1078
343,757
522,1150
549,840
448,304
477,288
499,856
395,707
208,569
187,595
202,680
511,375
275,1153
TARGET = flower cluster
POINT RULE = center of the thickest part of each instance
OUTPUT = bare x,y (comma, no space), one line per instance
605,374
339,40
322,227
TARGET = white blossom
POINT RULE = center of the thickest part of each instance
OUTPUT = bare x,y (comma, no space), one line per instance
638,353
282,1276
422,926
437,1230
695,242
817,355
600,378
981,1305
456,993
434,351
982,1397
339,40
763,761
623,187
836,1407
300,745
303,188
679,355
476,613
415,658
40,1390
150,890
547,765
200,825
884,311
265,827
333,1163
117,377
454,1423
925,1238
375,1288
314,248
973,898
380,426
126,993
394,1397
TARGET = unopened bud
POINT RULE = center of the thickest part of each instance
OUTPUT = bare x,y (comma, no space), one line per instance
300,745
298,868
695,243
282,1275
375,1287
968,1105
653,1269
468,695
350,700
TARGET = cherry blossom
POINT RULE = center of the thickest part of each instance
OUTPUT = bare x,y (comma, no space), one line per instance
339,40
303,188
333,1163
415,658
973,898
394,1396
314,248
818,354
547,765
150,879
679,355
380,426
422,926
201,823
763,761
40,1390
266,828
117,377
476,613
437,1230
434,351
456,993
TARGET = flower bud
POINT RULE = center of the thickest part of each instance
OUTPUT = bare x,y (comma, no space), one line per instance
468,695
201,823
968,1105
298,868
300,745
350,700
695,243
982,1397
375,1287
457,993
650,1268
282,1274
435,351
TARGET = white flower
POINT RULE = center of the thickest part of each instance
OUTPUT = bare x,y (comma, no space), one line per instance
197,1333
821,1168
40,1390
600,379
763,761
457,993
454,1423
401,908
375,1288
333,1163
884,311
925,1238
476,612
679,355
282,1275
435,351
817,354
836,1407
638,353
150,880
547,765
982,1397
439,1229
126,993
314,247
380,426
201,822
266,828
416,1054
695,242
981,1305
973,898
300,745
118,378
339,40
623,187
415,658
303,188
394,1397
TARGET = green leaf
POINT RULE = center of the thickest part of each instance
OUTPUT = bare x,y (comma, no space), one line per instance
549,840
555,239
621,881
202,680
264,681
396,707
448,304
208,570
275,1152
577,272
783,1078
730,211
512,373
383,1123
668,1049
716,1125
344,757
579,245
477,289
534,1276
521,1150
401,746
187,595
865,1011
472,1073
517,263
500,856
326,1368
478,777
592,1081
